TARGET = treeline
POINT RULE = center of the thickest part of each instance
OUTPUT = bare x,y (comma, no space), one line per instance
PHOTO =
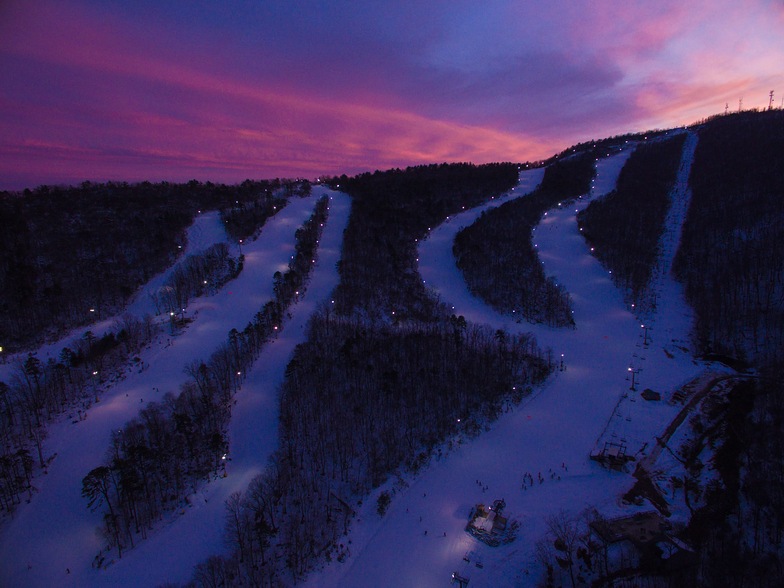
496,254
624,226
390,211
604,147
243,219
731,256
359,401
40,391
71,255
199,273
161,456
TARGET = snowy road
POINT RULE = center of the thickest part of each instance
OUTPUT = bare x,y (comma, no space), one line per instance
550,434
55,534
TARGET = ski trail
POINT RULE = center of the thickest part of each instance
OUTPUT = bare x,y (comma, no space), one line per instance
663,284
56,531
661,360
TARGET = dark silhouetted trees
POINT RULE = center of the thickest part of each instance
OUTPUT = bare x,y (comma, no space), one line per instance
624,226
498,259
731,256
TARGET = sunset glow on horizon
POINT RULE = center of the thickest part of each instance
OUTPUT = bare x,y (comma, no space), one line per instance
223,92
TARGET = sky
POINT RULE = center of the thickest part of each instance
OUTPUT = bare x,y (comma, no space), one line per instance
224,91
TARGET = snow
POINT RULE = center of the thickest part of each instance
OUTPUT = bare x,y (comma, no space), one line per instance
56,531
550,434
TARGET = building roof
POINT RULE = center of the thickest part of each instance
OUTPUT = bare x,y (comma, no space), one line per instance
640,528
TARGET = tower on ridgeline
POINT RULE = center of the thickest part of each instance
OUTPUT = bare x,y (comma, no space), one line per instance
740,104
770,104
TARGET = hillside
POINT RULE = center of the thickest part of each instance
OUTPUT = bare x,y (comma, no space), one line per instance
332,407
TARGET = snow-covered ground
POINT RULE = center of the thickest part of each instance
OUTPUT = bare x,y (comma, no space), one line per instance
421,540
51,541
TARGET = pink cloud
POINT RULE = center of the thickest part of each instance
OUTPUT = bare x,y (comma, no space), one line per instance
92,92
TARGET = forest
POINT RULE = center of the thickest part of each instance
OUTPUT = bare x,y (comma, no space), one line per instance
359,402
731,257
111,239
40,391
624,226
497,257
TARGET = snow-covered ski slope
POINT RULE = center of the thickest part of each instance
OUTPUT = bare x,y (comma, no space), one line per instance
51,541
421,540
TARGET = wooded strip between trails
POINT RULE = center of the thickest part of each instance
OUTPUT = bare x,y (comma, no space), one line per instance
624,226
497,257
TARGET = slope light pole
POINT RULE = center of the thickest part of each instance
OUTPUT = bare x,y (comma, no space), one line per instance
633,372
